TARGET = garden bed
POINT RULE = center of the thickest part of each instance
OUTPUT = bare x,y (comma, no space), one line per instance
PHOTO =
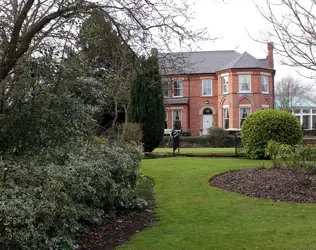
118,230
270,183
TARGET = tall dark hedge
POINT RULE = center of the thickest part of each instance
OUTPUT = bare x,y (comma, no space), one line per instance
262,126
146,105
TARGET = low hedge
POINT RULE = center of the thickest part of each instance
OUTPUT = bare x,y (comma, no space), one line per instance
45,206
218,138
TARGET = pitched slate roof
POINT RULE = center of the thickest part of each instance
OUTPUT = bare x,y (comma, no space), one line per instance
245,60
207,62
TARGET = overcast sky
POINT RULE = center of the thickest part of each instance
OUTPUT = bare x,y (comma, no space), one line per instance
230,21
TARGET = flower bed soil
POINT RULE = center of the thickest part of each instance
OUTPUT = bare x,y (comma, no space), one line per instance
117,231
270,183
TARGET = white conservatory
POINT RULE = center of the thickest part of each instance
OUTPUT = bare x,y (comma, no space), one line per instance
304,110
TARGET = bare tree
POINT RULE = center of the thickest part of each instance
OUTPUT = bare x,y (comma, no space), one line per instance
290,91
25,24
292,30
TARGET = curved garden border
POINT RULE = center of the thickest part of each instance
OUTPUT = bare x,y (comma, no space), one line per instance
278,184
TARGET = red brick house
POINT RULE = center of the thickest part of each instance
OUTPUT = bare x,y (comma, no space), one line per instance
215,88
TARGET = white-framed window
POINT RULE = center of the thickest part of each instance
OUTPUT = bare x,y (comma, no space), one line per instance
207,85
176,119
264,84
243,113
177,88
225,118
244,83
166,119
224,84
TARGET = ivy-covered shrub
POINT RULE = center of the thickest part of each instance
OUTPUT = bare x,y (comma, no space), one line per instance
262,126
44,206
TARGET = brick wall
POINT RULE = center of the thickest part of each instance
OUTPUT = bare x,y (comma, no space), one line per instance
192,112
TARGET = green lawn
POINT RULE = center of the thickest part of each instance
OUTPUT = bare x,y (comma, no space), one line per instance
194,215
198,150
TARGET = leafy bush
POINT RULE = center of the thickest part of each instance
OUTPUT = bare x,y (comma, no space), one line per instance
46,206
298,156
262,126
271,151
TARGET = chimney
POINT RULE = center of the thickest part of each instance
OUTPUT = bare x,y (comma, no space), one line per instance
270,55
154,52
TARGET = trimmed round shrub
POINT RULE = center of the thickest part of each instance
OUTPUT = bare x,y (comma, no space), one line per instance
265,125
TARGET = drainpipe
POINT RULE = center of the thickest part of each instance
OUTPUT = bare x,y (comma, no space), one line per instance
189,120
273,96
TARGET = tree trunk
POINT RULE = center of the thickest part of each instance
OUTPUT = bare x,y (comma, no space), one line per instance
126,116
115,114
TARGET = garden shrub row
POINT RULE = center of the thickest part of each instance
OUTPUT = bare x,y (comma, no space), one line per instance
45,206
217,138
292,156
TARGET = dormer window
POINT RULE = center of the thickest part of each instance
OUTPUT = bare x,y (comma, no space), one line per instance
177,88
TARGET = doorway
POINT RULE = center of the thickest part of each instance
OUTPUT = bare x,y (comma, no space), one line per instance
207,120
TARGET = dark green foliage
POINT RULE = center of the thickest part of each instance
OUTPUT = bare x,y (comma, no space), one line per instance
49,112
200,141
110,61
102,45
262,126
44,205
49,120
146,104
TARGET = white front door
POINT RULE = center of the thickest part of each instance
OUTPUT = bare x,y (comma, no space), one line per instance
207,123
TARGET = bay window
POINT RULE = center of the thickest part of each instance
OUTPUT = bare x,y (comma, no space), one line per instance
243,113
264,83
225,118
244,83
225,84
177,119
